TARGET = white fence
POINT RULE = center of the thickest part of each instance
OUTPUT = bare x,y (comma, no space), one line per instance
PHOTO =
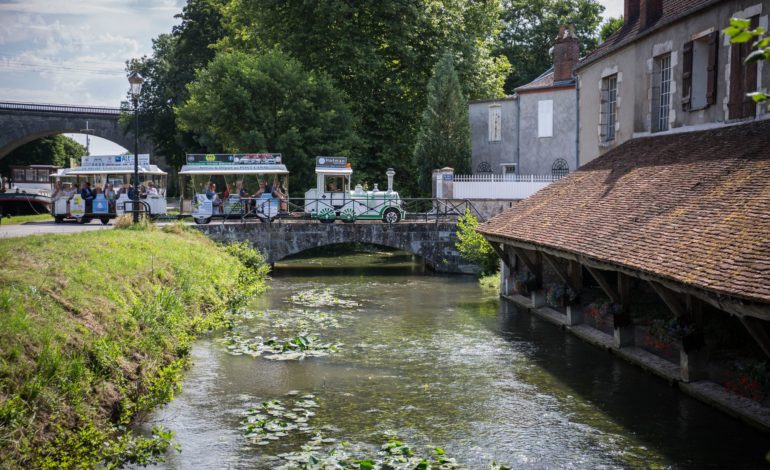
498,186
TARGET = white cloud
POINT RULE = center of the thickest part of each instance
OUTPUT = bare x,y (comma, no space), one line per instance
75,51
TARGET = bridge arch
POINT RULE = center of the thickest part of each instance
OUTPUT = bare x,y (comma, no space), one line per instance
433,242
21,123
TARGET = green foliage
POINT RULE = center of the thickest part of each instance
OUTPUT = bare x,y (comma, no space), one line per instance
531,27
90,341
381,54
609,27
247,102
473,246
445,135
52,150
740,31
175,59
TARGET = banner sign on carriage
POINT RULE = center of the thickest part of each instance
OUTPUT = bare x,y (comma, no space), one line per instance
233,158
331,162
113,160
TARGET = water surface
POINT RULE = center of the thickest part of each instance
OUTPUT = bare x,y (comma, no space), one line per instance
436,361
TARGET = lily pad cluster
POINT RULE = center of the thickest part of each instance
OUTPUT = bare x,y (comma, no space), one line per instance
302,320
273,420
322,298
294,348
393,455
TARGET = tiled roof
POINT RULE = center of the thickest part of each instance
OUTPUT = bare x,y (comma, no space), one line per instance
690,207
673,10
544,81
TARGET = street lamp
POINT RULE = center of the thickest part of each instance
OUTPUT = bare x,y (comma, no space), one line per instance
136,81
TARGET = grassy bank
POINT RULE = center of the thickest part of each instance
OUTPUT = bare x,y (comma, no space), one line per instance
23,219
95,330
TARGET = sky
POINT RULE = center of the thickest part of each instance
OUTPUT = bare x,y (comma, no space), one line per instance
74,51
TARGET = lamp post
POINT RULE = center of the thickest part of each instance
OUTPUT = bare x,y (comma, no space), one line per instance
136,81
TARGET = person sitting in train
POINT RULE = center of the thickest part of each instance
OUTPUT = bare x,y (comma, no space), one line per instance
277,191
260,191
109,194
151,189
58,191
211,192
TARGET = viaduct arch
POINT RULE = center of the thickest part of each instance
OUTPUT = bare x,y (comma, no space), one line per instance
21,123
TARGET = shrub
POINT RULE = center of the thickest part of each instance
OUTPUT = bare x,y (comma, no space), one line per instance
473,246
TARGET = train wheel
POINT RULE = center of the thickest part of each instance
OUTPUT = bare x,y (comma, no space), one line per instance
391,216
202,220
105,220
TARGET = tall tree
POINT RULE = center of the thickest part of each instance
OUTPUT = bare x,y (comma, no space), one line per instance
247,102
381,55
445,135
530,27
175,59
52,150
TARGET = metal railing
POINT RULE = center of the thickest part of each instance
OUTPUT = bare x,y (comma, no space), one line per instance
495,178
59,108
274,210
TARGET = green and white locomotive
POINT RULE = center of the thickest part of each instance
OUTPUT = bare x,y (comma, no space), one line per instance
333,199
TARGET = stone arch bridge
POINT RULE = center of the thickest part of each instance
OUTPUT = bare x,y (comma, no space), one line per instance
434,242
21,123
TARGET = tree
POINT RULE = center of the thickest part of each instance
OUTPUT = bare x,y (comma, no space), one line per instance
52,150
381,54
175,59
609,27
473,246
531,26
445,135
246,102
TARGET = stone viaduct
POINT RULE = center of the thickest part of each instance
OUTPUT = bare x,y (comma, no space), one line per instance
433,242
21,123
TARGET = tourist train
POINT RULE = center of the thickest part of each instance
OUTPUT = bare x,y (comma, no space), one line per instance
102,188
256,185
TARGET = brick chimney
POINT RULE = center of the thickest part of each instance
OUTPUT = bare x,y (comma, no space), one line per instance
566,54
649,12
630,11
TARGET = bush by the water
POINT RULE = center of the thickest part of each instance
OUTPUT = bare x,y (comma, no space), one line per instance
473,246
95,330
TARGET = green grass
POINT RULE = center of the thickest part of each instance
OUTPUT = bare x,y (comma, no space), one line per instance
23,219
95,330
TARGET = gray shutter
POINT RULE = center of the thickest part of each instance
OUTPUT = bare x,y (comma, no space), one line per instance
713,72
687,76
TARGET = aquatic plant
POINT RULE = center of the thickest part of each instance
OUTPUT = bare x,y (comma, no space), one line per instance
272,420
321,298
294,348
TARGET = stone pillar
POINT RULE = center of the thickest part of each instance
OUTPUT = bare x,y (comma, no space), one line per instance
574,314
538,298
622,325
506,279
693,364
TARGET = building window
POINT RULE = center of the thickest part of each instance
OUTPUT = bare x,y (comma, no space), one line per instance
699,72
508,168
661,93
545,118
559,169
495,123
608,108
743,79
483,167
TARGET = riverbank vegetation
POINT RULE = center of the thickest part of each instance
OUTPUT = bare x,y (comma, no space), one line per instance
95,331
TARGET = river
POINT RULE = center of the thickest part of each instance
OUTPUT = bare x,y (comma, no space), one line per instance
431,361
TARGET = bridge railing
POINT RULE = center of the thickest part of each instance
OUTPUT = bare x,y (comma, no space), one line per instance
58,108
415,209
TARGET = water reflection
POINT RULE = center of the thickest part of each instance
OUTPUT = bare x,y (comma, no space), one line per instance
437,361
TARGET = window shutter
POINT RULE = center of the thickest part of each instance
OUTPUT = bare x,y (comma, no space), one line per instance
736,82
687,76
713,72
750,83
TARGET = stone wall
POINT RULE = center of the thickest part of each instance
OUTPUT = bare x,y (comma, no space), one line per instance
433,242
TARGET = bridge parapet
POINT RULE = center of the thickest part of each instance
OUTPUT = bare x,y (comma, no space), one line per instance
433,242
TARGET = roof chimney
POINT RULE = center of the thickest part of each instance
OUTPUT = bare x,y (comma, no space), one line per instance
630,11
566,54
649,12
